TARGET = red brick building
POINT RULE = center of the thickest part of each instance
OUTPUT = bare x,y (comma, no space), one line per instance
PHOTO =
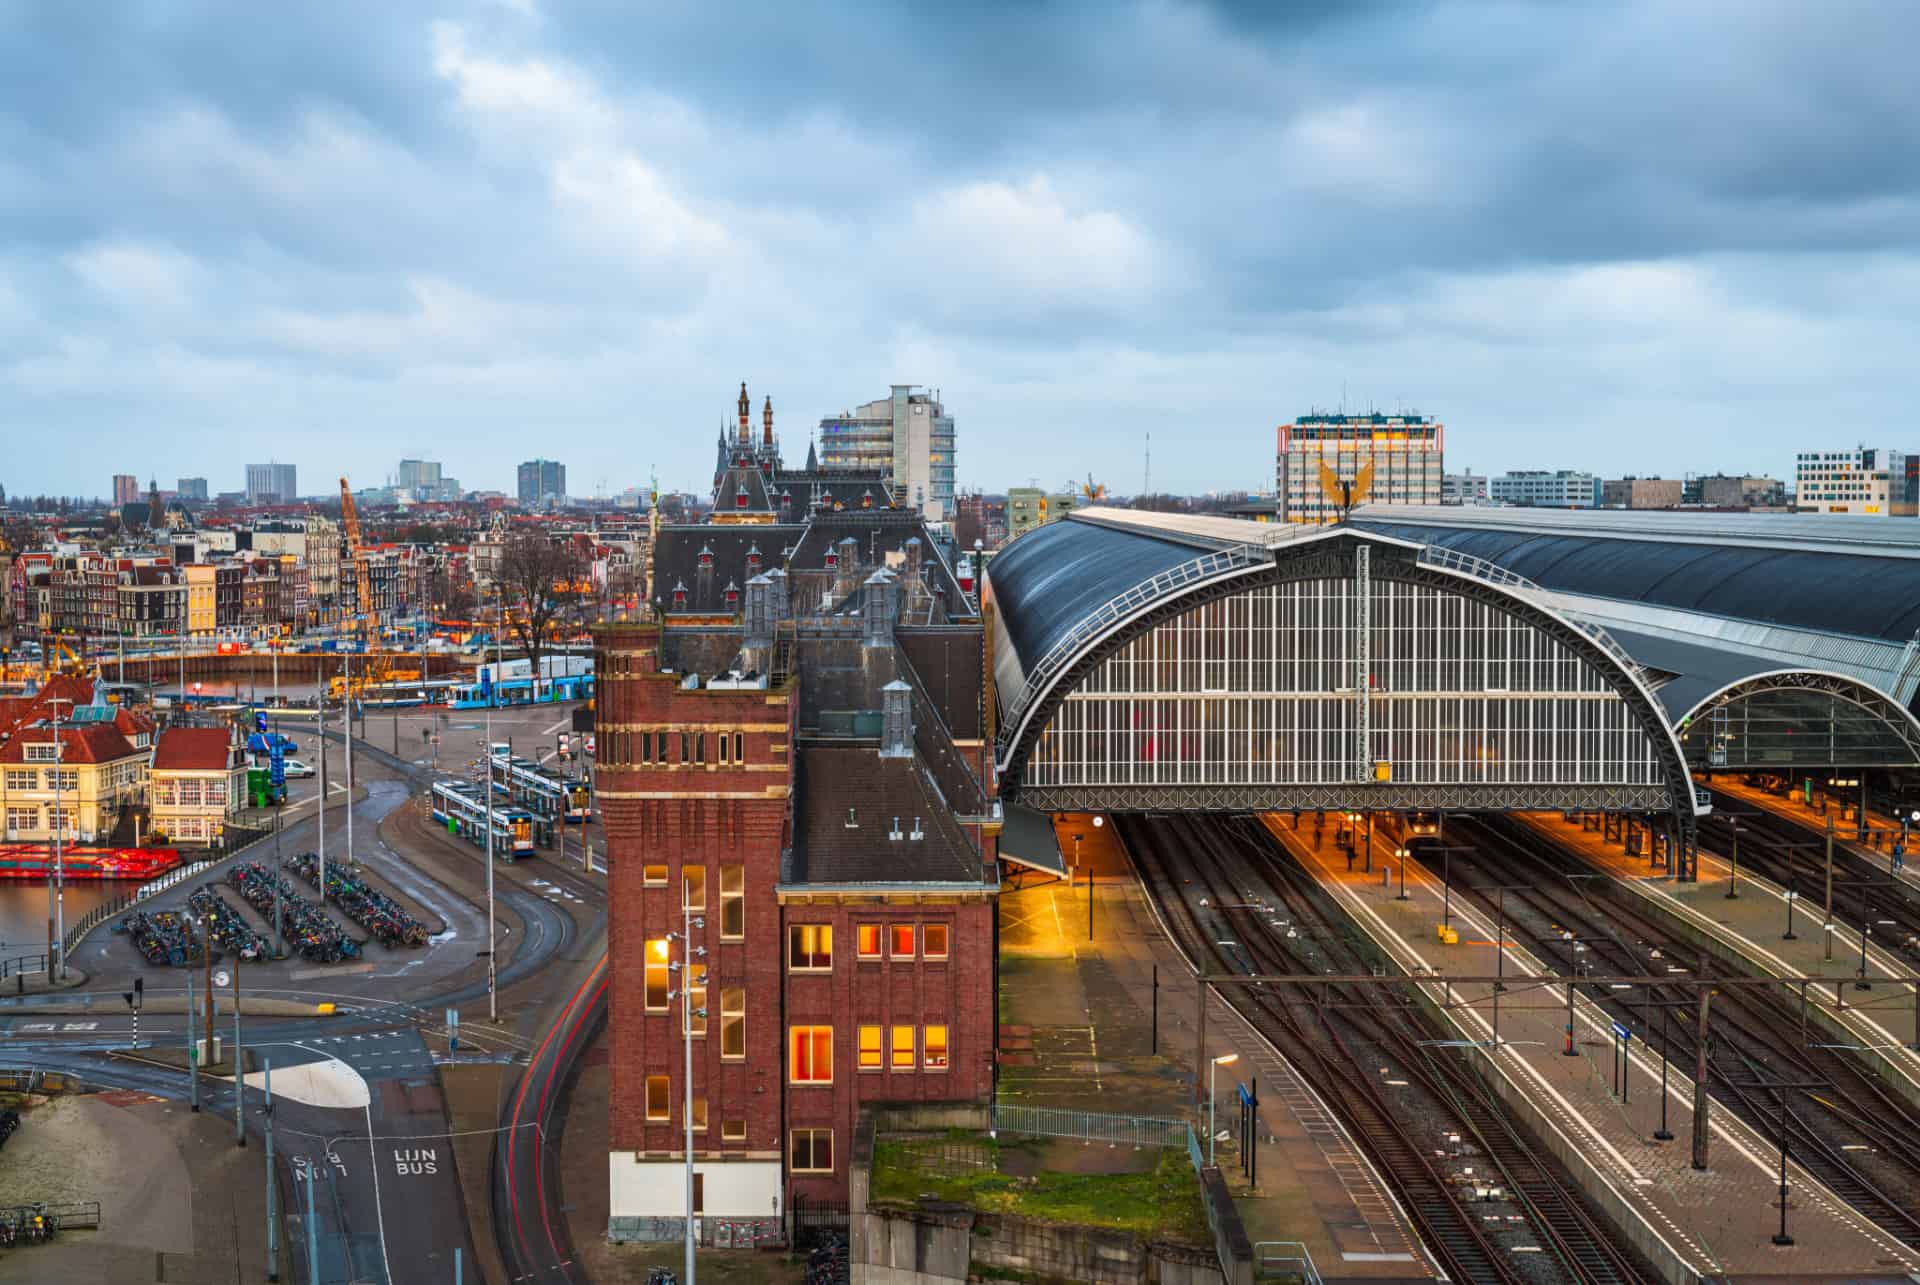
771,757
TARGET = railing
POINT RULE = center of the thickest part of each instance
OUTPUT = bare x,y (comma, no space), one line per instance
1284,1260
20,965
1435,555
1094,1126
1199,570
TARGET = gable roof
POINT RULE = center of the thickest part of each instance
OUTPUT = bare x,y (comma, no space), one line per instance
836,782
193,749
87,743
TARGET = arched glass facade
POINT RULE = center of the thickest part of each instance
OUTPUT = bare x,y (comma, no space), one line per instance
1262,688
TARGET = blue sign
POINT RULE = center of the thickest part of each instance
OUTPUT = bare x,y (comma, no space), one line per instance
259,720
277,764
1246,1098
1621,1033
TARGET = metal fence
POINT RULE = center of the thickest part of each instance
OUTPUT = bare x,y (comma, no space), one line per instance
1093,1126
1284,1260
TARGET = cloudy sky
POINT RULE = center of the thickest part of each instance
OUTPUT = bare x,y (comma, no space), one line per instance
1620,236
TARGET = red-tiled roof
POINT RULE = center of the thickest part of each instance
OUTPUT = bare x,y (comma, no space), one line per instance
192,749
132,722
87,743
70,688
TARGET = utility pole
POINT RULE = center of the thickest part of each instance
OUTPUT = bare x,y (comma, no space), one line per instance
273,1194
57,890
193,1053
347,698
239,1079
1700,1098
1827,928
486,759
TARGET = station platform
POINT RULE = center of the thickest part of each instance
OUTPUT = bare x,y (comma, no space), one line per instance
1884,1021
1077,1006
1882,830
1715,1224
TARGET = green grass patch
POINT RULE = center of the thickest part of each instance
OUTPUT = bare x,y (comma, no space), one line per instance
1163,1201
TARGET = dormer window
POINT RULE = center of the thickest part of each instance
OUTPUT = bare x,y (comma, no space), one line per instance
733,594
866,499
833,559
706,558
679,594
739,499
753,558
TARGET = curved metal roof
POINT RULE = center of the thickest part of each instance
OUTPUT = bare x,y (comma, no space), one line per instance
1048,580
1828,591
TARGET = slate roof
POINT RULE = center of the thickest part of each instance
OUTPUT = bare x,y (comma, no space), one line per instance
840,782
87,743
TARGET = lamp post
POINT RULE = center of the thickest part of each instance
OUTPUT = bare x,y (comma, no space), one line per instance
486,794
57,890
1402,853
1733,868
689,922
1213,1097
1570,939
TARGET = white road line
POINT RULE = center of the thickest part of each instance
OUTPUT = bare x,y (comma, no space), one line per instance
379,1213
556,727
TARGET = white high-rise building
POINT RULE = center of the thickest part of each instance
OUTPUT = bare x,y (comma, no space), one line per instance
909,434
1405,451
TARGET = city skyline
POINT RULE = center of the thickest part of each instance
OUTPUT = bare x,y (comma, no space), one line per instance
316,271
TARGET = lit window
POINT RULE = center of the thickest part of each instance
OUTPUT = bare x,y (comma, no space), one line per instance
869,941
693,882
733,904
870,1055
733,1131
659,1098
657,974
935,941
654,876
809,947
901,941
700,1115
902,1048
812,1151
810,1054
733,1022
935,1049
697,999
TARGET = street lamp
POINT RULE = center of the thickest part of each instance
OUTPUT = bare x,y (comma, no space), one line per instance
688,1012
1213,1097
57,890
1403,854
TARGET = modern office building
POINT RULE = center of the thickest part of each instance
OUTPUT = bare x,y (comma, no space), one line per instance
1463,488
126,489
1735,491
1642,493
1029,507
1541,489
1404,450
191,488
419,479
271,484
1865,480
908,433
542,481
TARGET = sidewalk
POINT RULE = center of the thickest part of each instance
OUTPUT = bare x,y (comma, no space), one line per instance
1078,1031
1712,1223
1885,1020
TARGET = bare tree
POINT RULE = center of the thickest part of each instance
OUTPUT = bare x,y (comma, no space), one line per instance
542,583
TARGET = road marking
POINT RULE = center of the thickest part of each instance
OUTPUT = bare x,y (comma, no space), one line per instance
556,727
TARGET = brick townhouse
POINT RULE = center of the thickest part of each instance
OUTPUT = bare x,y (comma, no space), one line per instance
771,756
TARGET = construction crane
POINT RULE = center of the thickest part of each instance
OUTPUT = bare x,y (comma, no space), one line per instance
350,517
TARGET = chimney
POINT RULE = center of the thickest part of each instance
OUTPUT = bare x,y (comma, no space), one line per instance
777,595
766,424
896,721
876,609
759,612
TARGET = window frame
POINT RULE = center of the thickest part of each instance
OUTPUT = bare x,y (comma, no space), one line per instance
898,1058
823,946
812,1033
658,957
927,1062
893,941
733,903
879,941
926,941
814,1136
696,999
648,878
689,877
733,1022
665,1084
879,1051
733,1130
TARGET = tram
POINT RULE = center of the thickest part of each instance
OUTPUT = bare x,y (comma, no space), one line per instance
546,792
458,806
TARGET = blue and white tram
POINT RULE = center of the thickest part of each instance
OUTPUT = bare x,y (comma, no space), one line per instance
458,806
545,791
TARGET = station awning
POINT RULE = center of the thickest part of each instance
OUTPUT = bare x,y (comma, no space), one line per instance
1027,839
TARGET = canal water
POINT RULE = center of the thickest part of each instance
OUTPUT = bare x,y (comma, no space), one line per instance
23,909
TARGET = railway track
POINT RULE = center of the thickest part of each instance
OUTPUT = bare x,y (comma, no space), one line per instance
1768,845
1221,884
1857,1137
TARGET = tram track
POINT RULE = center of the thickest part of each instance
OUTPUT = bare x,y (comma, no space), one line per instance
1856,1136
1220,884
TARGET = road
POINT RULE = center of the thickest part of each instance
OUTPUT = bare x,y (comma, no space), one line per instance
388,1205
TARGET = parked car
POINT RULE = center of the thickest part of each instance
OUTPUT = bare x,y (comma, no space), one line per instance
296,767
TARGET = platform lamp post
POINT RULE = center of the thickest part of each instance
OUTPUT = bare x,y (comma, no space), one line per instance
1446,880
1213,1097
1500,949
57,889
1733,867
1866,928
685,966
1402,853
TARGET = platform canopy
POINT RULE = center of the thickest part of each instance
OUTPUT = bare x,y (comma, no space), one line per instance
1161,662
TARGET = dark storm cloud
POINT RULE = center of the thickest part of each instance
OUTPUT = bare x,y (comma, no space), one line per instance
374,219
